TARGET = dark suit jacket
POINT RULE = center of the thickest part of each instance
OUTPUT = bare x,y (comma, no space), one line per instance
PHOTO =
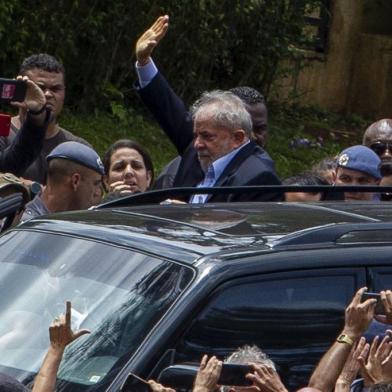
250,166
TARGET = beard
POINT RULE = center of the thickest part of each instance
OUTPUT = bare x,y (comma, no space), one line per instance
204,160
206,157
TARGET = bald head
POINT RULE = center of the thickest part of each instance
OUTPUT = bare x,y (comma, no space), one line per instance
379,138
59,169
308,389
379,130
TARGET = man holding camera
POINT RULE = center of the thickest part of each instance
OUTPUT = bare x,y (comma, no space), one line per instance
49,75
27,144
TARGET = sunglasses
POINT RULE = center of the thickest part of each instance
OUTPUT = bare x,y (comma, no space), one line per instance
380,147
386,197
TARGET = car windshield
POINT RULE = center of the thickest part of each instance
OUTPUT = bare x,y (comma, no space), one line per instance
116,293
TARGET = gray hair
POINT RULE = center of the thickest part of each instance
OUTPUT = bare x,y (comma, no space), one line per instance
225,109
381,387
247,354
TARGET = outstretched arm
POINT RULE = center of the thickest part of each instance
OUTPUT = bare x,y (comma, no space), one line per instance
352,366
168,109
28,142
61,335
357,319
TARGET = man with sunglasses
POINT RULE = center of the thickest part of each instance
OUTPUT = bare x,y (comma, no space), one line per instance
49,74
378,137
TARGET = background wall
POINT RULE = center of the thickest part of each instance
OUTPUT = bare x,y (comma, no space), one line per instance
355,73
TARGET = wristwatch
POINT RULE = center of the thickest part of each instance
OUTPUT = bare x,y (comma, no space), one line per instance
345,339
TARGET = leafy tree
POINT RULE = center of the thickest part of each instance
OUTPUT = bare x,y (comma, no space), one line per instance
210,43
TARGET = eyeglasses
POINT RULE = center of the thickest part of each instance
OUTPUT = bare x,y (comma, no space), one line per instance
380,147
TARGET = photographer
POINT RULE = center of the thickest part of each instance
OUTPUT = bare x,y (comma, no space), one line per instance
28,143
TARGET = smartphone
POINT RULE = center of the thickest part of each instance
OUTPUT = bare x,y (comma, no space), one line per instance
5,124
234,374
379,309
134,383
12,90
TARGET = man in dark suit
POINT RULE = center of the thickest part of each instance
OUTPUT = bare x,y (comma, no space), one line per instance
246,163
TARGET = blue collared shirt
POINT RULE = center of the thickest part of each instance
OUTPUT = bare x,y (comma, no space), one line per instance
146,73
214,171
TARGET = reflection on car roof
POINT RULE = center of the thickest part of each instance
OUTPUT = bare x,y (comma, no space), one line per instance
187,232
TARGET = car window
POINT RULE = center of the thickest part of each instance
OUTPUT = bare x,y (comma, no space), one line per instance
381,278
294,317
117,293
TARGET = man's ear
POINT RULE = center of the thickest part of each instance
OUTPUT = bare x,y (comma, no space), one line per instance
239,137
105,181
334,176
76,179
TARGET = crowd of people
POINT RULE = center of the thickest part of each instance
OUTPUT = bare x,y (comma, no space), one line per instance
221,141
351,363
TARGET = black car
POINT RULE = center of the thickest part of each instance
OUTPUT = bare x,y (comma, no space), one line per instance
162,285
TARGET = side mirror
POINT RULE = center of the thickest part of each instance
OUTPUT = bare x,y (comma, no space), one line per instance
179,376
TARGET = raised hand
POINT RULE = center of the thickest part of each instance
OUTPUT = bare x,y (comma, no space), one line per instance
357,319
60,331
378,367
386,299
266,379
150,39
358,315
61,335
121,188
35,98
208,375
353,364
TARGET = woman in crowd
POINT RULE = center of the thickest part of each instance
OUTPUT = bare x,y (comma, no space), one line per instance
128,167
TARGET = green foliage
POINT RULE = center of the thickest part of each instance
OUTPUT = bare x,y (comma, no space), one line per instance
209,43
101,130
329,133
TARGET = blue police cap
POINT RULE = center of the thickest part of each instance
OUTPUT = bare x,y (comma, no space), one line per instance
362,159
78,153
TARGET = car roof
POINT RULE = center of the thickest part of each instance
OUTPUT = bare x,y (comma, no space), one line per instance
188,232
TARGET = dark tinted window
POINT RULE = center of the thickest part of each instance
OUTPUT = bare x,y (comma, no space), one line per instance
382,278
294,317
